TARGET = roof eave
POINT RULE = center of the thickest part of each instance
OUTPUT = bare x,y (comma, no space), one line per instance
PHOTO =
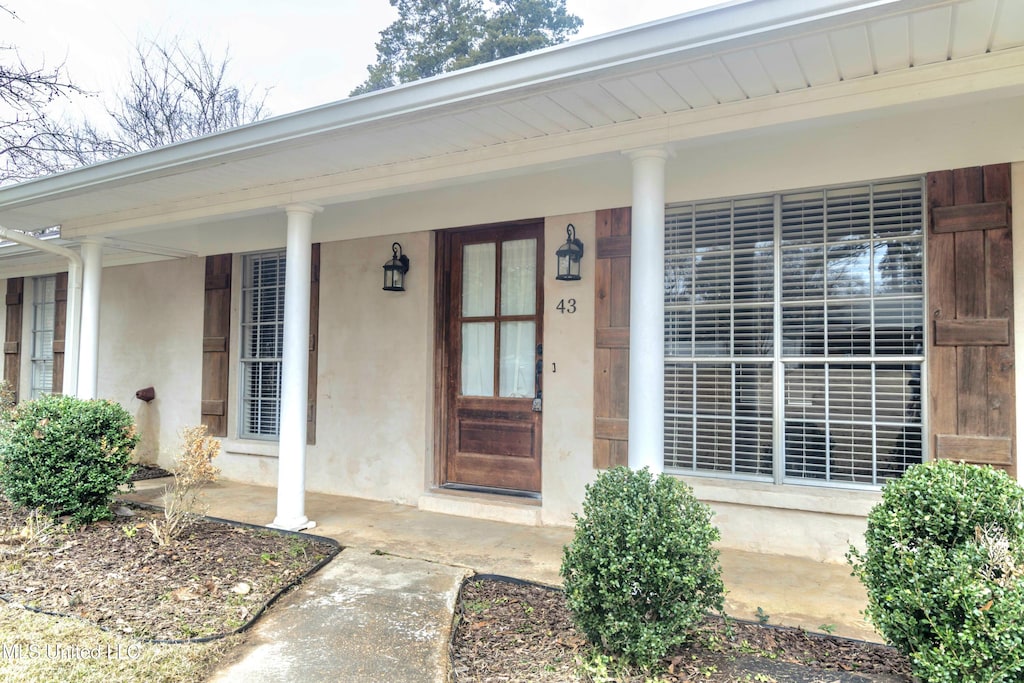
713,26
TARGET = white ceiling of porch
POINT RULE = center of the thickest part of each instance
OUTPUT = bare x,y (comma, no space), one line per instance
685,66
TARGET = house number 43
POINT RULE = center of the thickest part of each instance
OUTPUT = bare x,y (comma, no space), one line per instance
566,306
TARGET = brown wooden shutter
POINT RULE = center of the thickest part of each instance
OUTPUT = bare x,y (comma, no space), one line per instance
970,292
314,343
60,314
216,344
12,340
611,338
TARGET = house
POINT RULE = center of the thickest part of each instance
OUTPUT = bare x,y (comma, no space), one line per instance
796,278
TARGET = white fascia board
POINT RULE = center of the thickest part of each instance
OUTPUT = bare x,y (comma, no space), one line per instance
714,26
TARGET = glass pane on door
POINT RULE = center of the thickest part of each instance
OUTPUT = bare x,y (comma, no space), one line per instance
519,277
478,280
478,359
517,371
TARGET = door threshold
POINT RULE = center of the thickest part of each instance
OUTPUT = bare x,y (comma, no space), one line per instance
491,491
490,504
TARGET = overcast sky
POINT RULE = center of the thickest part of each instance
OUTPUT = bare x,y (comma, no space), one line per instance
308,52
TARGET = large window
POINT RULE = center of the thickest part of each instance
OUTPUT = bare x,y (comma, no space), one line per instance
262,343
793,334
43,306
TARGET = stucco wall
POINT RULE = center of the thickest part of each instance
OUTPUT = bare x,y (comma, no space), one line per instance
810,521
375,388
375,364
848,149
568,424
151,334
374,370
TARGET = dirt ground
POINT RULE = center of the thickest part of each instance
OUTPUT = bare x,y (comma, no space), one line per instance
512,632
209,582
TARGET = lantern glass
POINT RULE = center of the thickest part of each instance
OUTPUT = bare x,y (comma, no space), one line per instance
563,265
569,256
394,279
395,270
572,268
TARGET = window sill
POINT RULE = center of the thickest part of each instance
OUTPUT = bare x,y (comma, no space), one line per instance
252,447
832,501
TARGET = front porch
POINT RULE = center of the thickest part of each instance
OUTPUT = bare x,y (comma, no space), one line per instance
793,591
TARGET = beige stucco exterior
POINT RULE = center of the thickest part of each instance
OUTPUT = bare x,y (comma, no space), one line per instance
148,326
568,375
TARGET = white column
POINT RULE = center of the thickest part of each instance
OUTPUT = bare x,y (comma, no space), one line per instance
647,312
72,327
291,458
89,344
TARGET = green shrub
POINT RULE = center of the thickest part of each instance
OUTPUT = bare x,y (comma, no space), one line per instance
67,456
944,572
641,571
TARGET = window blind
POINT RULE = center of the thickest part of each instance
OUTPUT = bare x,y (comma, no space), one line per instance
821,290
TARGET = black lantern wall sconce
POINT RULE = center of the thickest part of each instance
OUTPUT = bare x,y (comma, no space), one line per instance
395,270
569,256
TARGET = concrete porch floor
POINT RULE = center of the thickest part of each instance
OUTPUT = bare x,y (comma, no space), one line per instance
792,591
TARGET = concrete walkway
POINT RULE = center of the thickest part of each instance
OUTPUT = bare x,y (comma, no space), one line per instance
363,617
427,554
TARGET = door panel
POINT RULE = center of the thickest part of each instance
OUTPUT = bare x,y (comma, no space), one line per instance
492,341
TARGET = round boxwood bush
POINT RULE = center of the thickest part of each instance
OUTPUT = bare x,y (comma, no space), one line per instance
67,456
944,571
641,570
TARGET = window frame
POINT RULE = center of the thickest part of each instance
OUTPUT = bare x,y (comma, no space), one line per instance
47,284
780,359
247,306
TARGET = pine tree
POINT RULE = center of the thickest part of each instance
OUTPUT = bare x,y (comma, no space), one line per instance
431,37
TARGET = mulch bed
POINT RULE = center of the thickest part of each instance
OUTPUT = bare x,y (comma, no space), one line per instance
143,472
512,632
214,579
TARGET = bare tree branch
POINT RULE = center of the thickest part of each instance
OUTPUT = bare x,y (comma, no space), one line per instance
31,142
177,93
174,93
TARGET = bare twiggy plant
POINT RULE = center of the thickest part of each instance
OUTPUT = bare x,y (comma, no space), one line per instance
1002,566
194,470
37,532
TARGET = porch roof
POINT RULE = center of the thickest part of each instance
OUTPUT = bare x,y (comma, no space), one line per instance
714,72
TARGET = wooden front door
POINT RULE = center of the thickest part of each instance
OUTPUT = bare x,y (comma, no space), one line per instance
492,299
